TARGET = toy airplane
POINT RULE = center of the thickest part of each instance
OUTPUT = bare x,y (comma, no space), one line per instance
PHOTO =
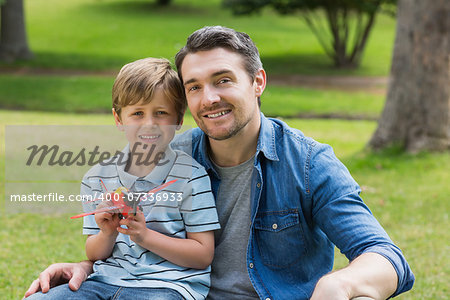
125,202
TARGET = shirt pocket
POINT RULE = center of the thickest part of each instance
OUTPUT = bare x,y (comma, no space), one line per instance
279,237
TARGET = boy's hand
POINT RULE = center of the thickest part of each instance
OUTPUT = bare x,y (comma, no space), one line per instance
107,221
136,227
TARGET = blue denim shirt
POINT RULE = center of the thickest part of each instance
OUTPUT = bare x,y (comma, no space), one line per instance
304,201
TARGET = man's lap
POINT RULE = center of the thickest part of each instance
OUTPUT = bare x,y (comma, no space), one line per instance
98,290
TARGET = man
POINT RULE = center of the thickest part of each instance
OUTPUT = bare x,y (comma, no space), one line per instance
283,199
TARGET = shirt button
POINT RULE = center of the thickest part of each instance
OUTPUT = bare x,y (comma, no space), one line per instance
274,226
251,265
258,185
267,298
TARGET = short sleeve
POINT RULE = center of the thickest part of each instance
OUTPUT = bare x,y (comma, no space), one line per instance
86,191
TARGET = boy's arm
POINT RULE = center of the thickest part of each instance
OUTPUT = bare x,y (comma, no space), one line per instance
100,246
196,251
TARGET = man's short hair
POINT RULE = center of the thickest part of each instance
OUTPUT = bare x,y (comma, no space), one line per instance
137,81
210,37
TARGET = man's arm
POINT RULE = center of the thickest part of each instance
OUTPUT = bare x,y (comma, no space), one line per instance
378,268
369,275
60,273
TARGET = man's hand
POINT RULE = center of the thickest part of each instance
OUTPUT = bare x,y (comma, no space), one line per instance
60,273
332,288
369,276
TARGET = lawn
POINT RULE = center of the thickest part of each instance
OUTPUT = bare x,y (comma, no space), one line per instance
92,34
408,195
90,94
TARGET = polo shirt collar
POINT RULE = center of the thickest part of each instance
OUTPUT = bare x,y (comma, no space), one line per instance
157,176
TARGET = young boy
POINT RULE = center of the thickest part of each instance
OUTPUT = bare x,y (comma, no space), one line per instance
164,251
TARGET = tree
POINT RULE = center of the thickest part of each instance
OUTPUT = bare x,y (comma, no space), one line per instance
347,28
416,115
13,37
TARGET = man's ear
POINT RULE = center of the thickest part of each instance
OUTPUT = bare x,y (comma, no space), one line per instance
260,82
117,120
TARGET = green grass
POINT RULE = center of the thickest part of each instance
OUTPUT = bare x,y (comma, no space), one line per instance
408,195
93,34
90,94
52,93
291,101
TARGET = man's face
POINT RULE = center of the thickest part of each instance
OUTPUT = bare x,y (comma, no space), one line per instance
220,94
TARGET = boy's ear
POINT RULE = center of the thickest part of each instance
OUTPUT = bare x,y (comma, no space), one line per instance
117,120
180,124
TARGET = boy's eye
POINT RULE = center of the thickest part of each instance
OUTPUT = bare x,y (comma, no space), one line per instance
138,113
161,112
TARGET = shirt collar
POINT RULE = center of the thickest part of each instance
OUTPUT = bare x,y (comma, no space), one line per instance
157,176
266,140
266,144
203,157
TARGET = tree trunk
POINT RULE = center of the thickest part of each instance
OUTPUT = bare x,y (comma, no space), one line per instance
416,115
13,37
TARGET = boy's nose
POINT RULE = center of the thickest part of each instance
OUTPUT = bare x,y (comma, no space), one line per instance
149,122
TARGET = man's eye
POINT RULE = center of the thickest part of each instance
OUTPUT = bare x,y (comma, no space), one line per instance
225,80
193,88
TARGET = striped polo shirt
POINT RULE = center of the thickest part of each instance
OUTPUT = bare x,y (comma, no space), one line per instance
185,206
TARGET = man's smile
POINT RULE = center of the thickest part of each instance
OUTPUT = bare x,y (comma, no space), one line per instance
217,114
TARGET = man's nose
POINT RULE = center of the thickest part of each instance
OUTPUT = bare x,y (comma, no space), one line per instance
210,95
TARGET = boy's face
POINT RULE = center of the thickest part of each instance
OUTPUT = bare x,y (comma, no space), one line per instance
149,124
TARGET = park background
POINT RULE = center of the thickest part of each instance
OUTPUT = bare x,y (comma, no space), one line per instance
79,46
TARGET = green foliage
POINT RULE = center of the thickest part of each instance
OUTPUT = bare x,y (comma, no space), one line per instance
106,34
163,2
290,6
347,28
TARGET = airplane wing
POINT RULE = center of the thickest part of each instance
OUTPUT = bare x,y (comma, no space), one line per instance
104,209
162,186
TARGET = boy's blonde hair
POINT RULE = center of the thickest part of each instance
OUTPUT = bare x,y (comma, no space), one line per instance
138,81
